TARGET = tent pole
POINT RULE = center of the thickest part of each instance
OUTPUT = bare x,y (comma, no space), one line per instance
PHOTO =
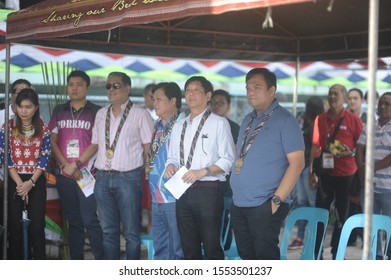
296,87
6,147
369,166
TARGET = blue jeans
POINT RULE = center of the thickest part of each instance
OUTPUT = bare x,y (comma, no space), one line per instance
118,197
80,211
305,197
382,205
166,239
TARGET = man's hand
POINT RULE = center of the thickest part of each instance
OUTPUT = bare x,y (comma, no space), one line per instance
274,207
170,171
69,168
193,175
313,181
77,175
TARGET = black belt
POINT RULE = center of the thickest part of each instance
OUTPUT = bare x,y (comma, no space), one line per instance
109,171
207,184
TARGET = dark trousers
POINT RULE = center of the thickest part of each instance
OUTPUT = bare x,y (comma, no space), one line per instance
257,230
199,214
333,188
81,212
36,214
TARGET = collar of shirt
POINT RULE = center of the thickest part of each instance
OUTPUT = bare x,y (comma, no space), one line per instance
67,105
159,124
195,119
123,106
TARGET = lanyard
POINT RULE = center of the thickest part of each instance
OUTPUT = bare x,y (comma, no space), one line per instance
158,141
110,149
245,148
193,144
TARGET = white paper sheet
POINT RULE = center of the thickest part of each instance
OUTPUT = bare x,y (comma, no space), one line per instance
176,185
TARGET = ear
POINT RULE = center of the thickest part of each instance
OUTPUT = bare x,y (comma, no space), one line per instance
209,95
173,101
272,90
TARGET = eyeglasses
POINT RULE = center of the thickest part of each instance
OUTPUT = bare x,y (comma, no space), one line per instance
114,86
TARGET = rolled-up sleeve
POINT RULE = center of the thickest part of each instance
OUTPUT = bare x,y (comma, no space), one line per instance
226,147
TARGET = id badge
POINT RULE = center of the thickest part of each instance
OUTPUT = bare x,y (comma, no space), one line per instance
328,160
73,148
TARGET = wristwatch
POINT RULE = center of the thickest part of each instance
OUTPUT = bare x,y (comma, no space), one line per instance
276,200
78,163
208,171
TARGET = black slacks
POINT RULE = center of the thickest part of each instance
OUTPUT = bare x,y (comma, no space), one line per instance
36,214
199,214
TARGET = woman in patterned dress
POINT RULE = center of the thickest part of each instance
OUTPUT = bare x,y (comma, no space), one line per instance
29,151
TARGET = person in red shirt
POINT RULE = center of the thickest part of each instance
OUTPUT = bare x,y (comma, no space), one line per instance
338,156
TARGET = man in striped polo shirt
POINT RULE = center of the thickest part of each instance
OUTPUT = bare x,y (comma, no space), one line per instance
122,136
382,153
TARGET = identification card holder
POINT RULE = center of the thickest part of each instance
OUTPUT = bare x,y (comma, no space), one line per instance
73,148
327,160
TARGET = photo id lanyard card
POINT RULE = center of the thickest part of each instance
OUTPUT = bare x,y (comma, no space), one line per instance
73,148
327,160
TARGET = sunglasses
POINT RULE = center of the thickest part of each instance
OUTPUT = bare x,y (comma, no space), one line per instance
114,86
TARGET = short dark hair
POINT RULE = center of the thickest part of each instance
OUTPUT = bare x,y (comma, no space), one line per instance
124,77
20,81
29,94
270,77
358,90
148,88
171,90
224,93
388,93
313,107
366,96
208,87
81,74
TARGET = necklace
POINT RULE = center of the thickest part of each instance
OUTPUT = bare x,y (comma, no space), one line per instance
74,120
27,127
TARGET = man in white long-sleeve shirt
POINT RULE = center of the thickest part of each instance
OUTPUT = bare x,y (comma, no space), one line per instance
203,143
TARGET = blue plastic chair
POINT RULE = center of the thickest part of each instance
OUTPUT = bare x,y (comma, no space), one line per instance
313,216
232,252
147,241
379,222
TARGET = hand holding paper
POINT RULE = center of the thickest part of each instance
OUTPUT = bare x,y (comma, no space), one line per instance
176,185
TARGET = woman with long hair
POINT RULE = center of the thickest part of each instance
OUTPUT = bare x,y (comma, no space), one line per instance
29,151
